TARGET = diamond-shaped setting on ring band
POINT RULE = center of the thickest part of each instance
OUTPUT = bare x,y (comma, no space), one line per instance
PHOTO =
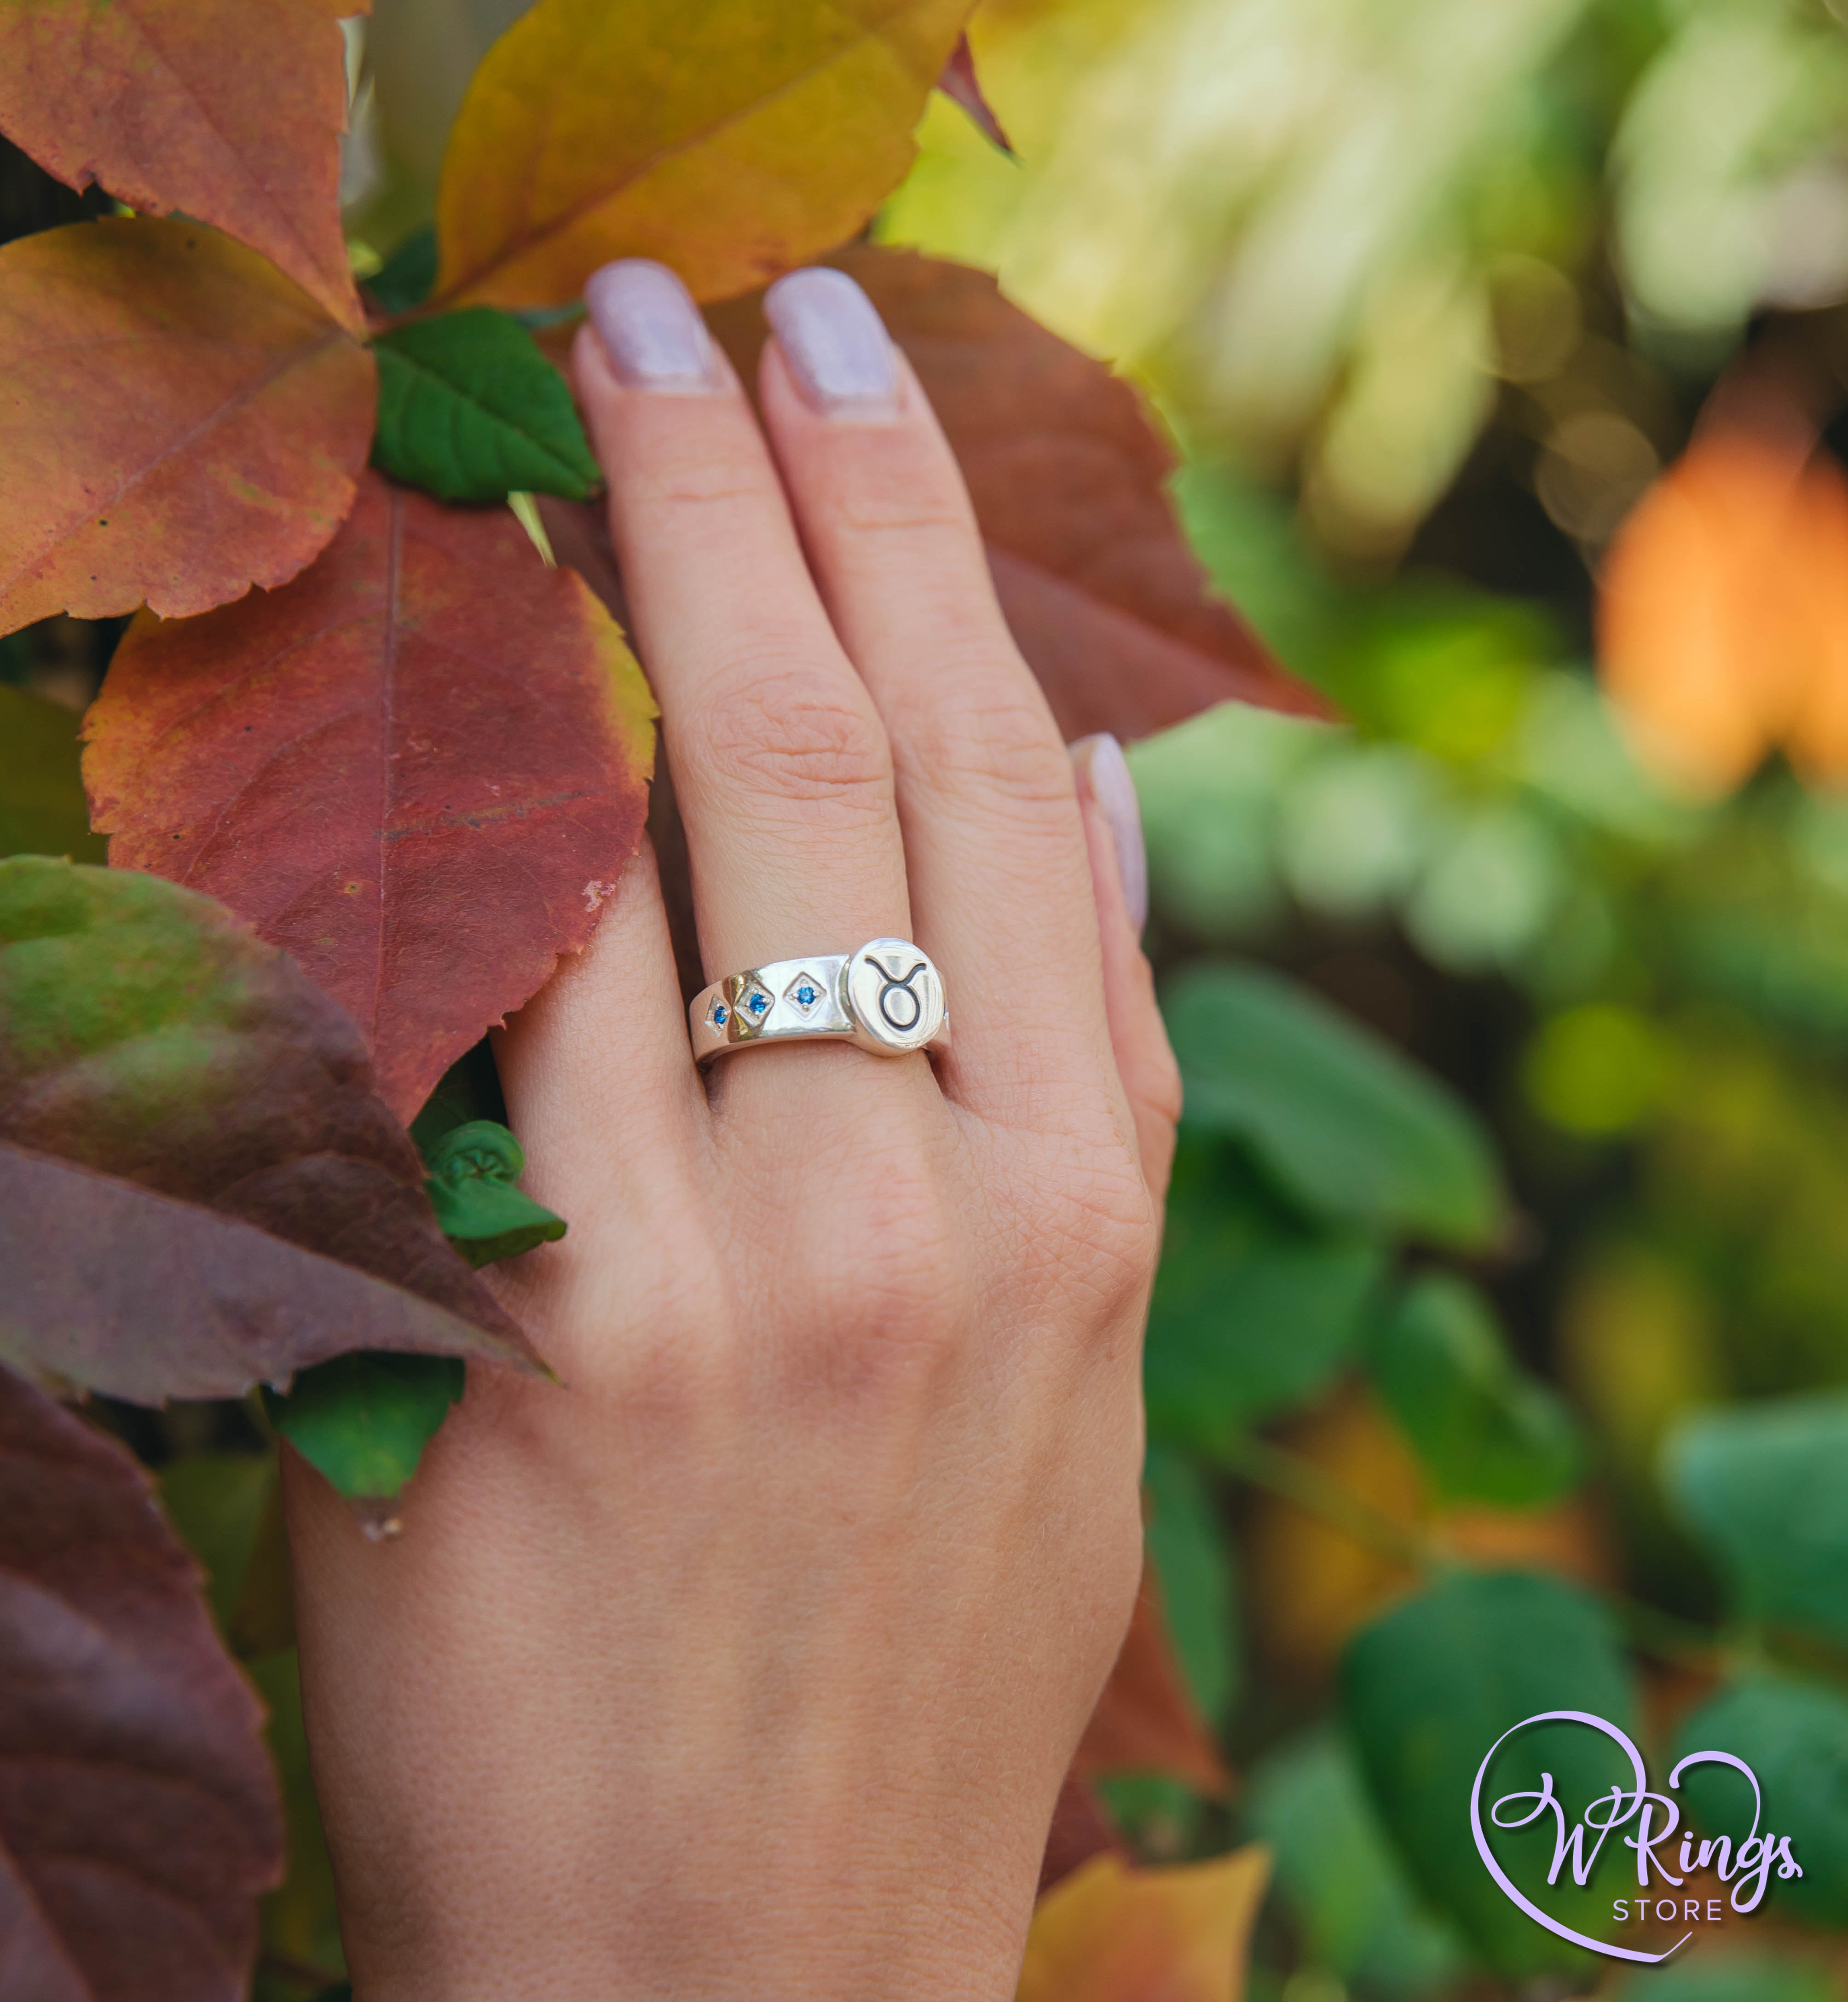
755,1004
805,994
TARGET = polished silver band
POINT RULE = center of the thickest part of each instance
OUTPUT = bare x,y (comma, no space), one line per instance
888,997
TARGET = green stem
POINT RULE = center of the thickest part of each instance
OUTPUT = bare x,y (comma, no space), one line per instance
279,1967
1304,1485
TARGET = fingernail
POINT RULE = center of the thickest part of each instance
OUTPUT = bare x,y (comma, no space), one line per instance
1103,771
835,344
651,329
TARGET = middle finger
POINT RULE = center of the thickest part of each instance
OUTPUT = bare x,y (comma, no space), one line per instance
781,765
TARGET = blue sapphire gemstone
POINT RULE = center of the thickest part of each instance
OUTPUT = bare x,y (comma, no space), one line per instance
721,1015
806,995
758,1004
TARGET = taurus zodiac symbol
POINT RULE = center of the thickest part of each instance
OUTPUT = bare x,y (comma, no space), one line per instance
902,987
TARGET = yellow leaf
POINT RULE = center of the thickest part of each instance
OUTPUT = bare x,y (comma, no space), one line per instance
726,137
1722,619
1110,1932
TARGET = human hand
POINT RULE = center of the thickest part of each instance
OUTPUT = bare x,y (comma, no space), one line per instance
748,1662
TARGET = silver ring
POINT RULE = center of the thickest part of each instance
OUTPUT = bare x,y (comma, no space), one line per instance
886,998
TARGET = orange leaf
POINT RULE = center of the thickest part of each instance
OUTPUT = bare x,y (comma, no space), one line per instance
1069,479
1146,1720
228,110
730,140
1817,737
1723,621
420,769
178,421
1110,1934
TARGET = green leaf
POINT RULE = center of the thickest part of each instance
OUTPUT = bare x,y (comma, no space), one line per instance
401,284
1348,1128
301,1921
469,409
1795,1737
200,1187
43,810
1765,1488
1485,1430
472,1171
262,1615
1732,1977
1199,1587
216,1501
1427,1691
364,1420
469,1088
1342,1878
1249,1316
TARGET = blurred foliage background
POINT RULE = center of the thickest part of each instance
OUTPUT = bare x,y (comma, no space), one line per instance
1499,1359
1510,1231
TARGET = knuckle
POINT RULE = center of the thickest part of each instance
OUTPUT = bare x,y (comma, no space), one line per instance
975,736
1158,1080
793,732
1118,1231
702,481
913,511
1089,1210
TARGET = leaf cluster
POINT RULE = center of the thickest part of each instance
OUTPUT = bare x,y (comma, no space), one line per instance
368,762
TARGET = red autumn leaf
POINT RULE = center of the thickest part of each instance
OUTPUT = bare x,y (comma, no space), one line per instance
963,87
1068,477
1723,615
199,1188
1080,1830
138,1815
1146,1720
228,110
178,421
420,769
1109,1933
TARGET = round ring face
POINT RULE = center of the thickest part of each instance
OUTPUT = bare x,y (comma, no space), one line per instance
894,994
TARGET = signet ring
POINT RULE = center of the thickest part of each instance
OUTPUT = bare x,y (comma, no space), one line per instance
888,997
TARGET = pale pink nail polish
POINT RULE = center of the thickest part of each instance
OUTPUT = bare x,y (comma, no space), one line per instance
838,352
1103,771
651,329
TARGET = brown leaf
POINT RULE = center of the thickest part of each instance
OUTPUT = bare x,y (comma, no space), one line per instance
963,87
1068,477
138,1813
199,1188
1723,613
731,141
229,110
1146,1720
1111,1933
179,422
421,768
